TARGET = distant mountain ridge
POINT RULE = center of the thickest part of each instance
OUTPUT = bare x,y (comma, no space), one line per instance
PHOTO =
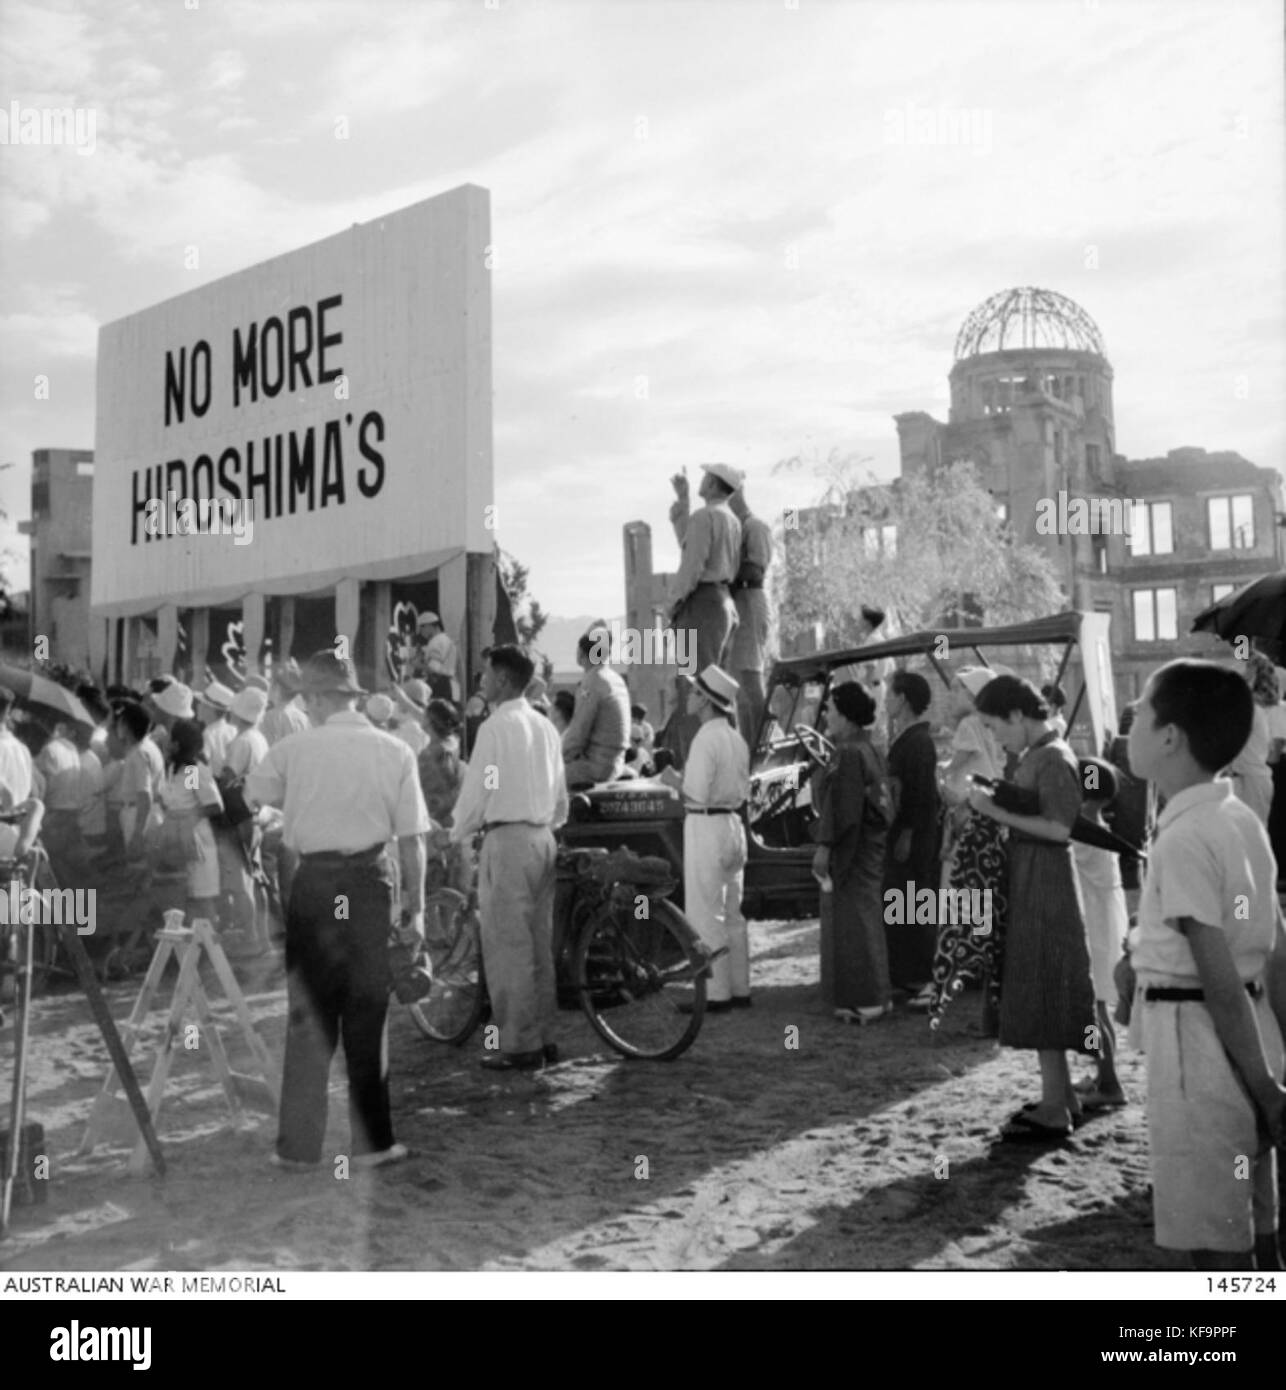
559,636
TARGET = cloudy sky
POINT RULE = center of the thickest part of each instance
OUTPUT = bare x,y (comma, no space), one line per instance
710,241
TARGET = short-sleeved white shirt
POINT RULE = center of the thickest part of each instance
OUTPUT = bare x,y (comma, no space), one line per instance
973,736
718,767
15,768
342,786
1211,860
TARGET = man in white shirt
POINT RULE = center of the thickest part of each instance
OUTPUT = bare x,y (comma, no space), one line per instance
214,701
58,762
15,760
346,789
440,656
716,784
515,793
711,554
287,715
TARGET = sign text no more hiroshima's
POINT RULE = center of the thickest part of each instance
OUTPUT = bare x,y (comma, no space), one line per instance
339,394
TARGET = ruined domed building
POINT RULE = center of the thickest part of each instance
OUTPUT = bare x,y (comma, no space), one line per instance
1032,409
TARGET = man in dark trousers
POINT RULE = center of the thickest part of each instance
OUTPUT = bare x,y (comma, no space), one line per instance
346,790
913,838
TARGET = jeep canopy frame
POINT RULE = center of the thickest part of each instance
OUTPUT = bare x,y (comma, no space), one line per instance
1074,631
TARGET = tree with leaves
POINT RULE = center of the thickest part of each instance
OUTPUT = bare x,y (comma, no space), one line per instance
930,549
529,617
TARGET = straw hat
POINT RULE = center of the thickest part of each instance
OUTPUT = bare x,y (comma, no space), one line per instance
726,473
175,700
215,694
719,687
249,704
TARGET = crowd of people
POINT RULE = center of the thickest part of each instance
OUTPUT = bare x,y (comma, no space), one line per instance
1199,971
306,798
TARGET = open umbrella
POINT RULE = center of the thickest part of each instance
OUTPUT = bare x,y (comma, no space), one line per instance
1257,610
39,690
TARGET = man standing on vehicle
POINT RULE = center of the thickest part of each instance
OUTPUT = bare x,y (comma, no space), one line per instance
515,793
345,790
754,614
711,541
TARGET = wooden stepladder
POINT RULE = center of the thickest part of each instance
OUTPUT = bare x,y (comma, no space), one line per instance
186,945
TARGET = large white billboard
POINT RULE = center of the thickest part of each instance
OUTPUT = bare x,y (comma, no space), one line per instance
325,414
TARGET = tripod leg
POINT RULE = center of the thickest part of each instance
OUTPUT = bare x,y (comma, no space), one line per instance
75,948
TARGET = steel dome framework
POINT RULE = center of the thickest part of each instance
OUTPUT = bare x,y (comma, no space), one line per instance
1028,318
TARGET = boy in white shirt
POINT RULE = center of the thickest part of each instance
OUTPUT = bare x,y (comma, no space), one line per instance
1210,958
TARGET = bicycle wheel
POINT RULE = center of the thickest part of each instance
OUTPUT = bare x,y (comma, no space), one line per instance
457,1003
633,975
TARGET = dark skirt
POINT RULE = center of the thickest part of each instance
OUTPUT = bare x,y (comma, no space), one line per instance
979,863
1046,994
854,963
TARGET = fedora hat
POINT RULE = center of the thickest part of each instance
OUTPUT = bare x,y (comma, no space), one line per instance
249,704
726,473
426,618
175,700
326,672
719,687
216,694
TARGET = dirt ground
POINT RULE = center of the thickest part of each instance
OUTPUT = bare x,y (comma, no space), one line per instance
857,1149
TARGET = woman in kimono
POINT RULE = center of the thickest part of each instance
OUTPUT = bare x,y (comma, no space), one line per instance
855,812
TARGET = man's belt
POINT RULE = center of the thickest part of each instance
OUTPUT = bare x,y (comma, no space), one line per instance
739,584
712,584
712,810
1163,994
339,856
491,825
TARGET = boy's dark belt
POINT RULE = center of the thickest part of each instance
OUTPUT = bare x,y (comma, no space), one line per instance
1163,994
337,857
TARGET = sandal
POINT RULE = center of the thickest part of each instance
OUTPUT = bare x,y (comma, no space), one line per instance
1022,1129
1078,1116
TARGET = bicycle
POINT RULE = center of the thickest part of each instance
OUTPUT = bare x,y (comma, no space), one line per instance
623,954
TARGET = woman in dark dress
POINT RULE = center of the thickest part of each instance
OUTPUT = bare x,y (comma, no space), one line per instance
855,811
1046,995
